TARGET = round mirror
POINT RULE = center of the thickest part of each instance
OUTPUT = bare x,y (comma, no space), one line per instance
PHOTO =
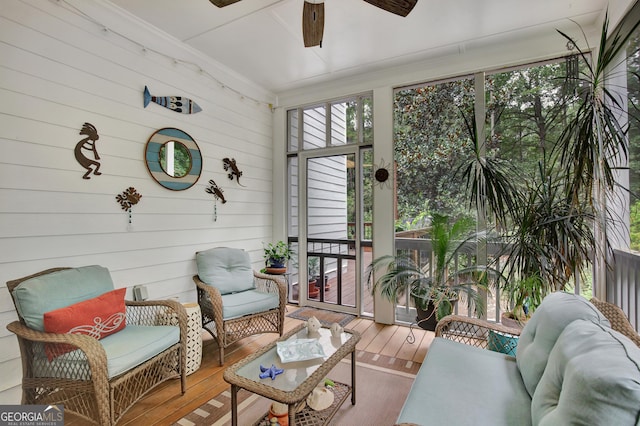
173,159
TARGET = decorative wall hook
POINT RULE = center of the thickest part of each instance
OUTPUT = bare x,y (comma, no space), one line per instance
86,152
127,200
231,167
216,191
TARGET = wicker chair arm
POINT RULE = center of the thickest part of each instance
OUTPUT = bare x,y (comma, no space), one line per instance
270,283
154,312
81,341
93,351
471,331
212,292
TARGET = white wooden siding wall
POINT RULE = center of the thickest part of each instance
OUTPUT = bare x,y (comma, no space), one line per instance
58,70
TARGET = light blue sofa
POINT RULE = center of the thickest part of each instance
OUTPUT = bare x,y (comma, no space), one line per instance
570,368
100,373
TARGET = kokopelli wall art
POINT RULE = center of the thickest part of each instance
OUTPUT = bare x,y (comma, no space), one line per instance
86,152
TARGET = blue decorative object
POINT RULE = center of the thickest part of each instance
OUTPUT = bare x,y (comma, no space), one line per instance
272,372
174,103
177,140
499,342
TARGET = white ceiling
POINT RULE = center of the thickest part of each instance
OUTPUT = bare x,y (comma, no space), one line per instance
262,39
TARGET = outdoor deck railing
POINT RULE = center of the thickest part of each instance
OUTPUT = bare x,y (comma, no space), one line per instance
623,287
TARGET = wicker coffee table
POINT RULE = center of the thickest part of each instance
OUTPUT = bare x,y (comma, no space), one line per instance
299,377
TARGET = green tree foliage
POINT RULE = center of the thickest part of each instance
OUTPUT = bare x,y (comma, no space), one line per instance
430,143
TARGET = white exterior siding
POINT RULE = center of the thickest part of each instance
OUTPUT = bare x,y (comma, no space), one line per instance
59,70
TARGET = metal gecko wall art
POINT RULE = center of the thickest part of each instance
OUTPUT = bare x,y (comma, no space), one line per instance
129,198
216,191
231,167
174,103
86,152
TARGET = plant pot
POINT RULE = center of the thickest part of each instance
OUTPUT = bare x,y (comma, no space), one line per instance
275,271
314,291
507,321
426,318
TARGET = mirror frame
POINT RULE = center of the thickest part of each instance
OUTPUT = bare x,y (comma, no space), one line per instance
152,157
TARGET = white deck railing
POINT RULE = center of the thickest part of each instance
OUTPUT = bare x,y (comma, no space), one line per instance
623,286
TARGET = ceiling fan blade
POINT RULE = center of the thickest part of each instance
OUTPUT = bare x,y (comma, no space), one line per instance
312,24
223,3
399,7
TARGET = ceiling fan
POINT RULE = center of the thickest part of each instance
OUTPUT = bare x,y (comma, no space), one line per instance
313,16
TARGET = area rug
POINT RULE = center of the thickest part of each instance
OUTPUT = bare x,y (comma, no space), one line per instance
324,316
380,394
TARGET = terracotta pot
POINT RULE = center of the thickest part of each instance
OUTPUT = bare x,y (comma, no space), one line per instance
314,291
283,419
511,322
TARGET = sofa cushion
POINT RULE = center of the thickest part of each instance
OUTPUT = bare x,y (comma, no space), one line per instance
539,335
592,377
465,385
97,317
227,269
57,290
236,305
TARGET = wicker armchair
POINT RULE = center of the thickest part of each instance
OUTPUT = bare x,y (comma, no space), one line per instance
618,319
228,324
81,380
476,332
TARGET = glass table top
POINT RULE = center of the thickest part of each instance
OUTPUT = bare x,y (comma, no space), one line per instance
295,372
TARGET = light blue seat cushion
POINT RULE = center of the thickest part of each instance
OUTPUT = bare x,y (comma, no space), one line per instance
463,385
592,378
59,289
136,344
236,305
125,349
539,335
227,269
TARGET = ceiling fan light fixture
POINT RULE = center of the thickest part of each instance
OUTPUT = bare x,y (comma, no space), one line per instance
398,7
312,24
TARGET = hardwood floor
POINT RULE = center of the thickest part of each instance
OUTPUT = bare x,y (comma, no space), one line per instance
165,405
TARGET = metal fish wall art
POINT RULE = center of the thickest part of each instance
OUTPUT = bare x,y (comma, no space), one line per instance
174,103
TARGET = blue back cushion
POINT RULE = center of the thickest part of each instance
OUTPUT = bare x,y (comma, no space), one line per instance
227,269
592,377
57,290
539,335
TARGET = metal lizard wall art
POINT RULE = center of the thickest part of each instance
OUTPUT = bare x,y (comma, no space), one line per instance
86,152
231,167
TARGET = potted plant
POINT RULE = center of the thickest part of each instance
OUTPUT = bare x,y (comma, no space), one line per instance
523,297
436,289
276,256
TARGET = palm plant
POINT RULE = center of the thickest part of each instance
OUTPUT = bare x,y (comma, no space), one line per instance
441,285
594,142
